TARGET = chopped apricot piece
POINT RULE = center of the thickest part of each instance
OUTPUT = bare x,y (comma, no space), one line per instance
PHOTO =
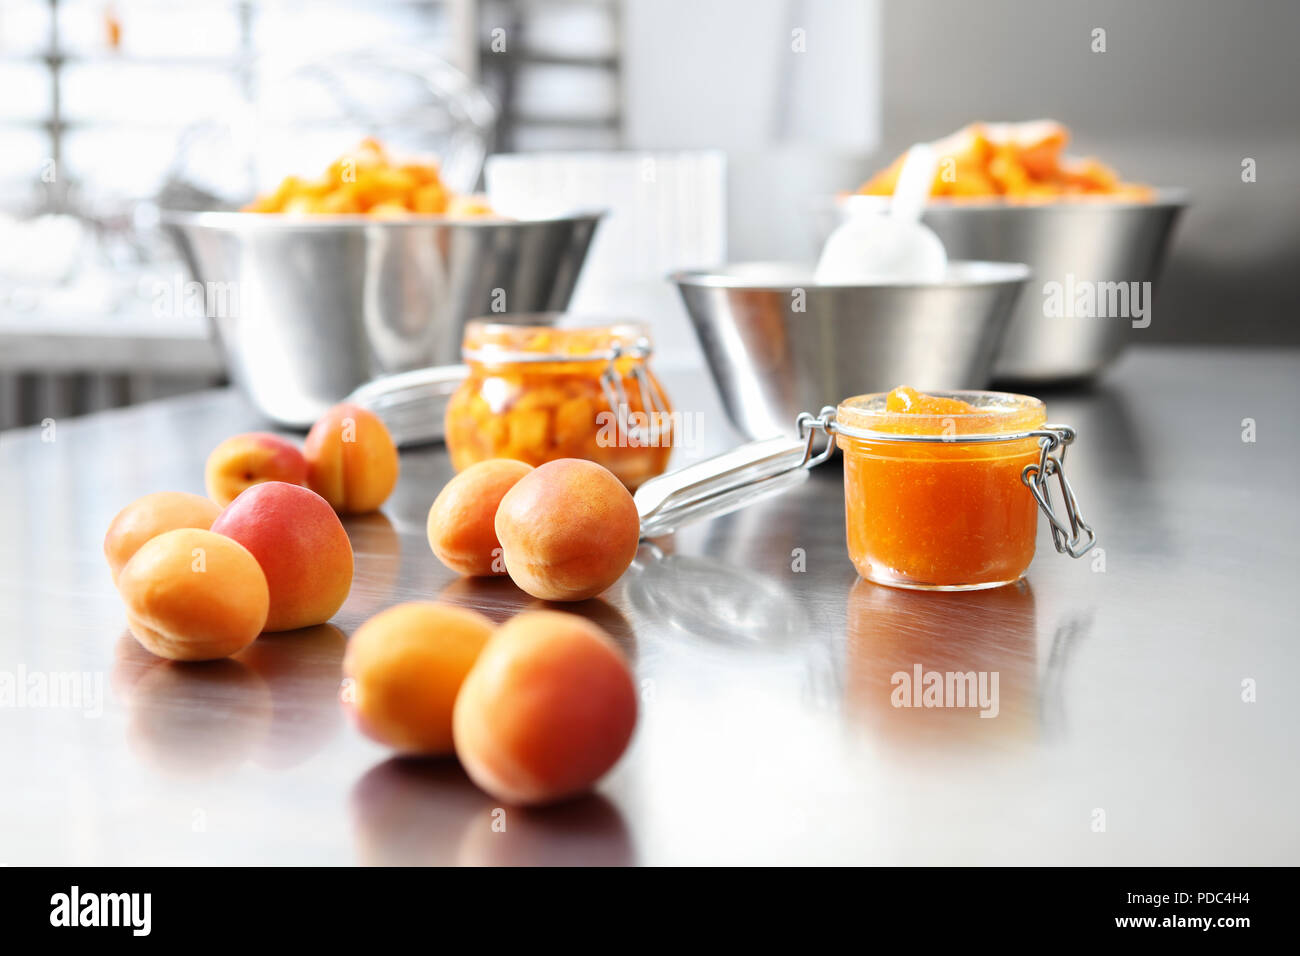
905,399
367,181
1020,162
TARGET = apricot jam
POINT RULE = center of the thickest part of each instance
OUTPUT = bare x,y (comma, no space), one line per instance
940,513
537,393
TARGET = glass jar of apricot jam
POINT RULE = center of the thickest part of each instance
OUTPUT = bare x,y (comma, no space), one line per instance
926,504
537,393
941,492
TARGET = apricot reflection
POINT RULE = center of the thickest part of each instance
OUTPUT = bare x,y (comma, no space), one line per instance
710,600
498,599
586,831
408,811
275,703
921,667
191,719
377,549
419,812
302,669
601,613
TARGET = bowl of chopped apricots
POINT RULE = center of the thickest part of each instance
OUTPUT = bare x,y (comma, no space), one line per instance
323,283
1094,241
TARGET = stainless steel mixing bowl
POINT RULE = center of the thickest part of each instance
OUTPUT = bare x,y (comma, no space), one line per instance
306,309
778,344
1094,241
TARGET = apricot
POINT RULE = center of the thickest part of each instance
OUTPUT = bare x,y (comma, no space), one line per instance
149,517
245,460
548,708
462,520
407,664
194,595
568,530
351,459
300,543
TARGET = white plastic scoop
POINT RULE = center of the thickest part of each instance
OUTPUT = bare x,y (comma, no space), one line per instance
871,247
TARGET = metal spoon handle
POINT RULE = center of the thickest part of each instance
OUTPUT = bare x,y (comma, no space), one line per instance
719,485
412,404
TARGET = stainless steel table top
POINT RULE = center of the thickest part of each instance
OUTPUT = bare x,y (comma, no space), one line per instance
1146,708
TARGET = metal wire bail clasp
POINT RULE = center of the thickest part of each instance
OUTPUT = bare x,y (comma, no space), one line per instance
809,425
1071,536
653,402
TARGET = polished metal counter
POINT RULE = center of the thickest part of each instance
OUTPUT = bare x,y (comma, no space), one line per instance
767,733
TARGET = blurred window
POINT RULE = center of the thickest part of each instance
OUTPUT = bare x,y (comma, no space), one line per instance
97,91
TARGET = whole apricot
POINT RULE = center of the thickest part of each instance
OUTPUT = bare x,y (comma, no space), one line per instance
300,543
568,530
547,709
245,460
351,459
407,665
149,517
462,520
194,595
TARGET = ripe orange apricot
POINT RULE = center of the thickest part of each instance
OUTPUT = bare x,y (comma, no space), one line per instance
351,459
194,595
245,460
407,664
149,517
548,708
300,543
462,520
568,530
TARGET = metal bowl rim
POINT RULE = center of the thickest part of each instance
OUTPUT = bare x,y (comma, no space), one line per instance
240,222
1171,197
977,273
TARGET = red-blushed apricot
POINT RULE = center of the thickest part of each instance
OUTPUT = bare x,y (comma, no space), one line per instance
194,595
351,459
300,543
407,664
149,517
245,460
462,519
568,530
547,709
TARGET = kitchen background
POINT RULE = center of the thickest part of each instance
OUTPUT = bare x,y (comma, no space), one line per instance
102,98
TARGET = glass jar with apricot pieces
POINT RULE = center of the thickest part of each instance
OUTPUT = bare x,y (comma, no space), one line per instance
537,394
925,509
